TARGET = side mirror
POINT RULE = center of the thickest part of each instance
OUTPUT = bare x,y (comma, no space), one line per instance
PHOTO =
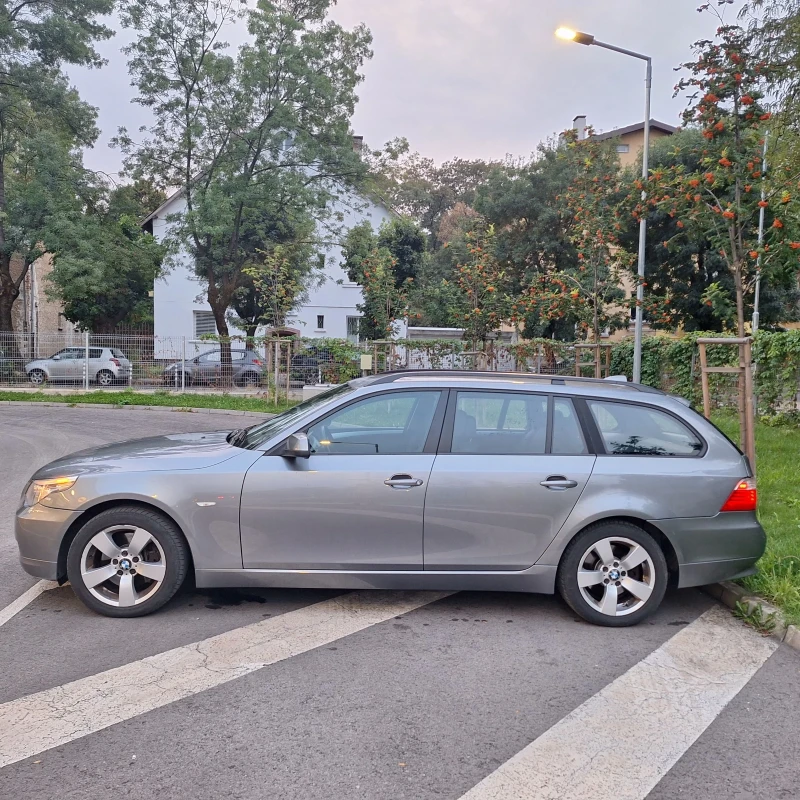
56,358
297,446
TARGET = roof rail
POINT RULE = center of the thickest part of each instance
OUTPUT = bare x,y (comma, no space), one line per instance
553,380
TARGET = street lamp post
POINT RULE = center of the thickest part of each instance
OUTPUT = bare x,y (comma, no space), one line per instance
588,39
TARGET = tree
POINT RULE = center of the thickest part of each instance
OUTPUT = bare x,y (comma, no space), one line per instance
721,200
416,187
387,264
483,302
104,265
384,300
273,286
42,123
534,226
679,277
255,140
589,291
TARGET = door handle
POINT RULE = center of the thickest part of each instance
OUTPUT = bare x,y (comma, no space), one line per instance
403,482
558,483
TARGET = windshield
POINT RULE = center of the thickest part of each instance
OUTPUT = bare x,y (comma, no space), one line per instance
259,434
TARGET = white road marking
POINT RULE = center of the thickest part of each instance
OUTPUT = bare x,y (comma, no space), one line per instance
56,716
624,739
26,598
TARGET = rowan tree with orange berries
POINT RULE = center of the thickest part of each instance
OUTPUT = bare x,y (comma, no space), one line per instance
721,200
591,291
483,301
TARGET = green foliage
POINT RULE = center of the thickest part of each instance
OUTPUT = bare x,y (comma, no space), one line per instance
417,188
778,374
104,265
43,123
257,139
714,192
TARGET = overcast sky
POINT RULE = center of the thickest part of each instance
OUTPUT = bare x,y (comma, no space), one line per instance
476,78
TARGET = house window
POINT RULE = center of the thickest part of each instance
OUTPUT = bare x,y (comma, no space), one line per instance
320,322
623,148
353,324
204,323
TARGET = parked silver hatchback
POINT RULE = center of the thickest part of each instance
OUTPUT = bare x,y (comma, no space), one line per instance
604,491
106,366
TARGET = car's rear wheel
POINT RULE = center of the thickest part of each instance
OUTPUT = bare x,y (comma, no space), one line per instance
105,377
37,377
613,574
248,379
127,562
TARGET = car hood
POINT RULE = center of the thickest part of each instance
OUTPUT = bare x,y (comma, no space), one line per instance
181,451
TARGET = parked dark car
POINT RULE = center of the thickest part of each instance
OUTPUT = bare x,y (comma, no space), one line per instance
309,366
248,369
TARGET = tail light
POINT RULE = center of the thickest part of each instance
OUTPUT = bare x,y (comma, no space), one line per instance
256,362
743,498
116,361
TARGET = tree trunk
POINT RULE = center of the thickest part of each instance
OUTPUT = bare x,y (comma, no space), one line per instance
250,336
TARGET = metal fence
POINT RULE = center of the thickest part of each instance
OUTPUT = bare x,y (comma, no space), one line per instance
271,366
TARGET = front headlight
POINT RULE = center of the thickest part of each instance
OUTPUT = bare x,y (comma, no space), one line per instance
36,491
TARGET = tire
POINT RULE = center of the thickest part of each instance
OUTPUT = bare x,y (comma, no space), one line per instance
37,377
600,553
248,379
126,533
104,378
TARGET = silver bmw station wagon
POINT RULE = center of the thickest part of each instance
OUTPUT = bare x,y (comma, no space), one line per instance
602,490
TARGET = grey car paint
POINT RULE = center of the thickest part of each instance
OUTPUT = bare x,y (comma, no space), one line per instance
326,529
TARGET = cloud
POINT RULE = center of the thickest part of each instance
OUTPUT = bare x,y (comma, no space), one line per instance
477,78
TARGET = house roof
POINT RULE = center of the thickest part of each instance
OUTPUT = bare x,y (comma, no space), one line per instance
617,132
374,196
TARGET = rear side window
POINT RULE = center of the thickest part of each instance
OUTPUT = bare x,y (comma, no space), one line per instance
117,353
631,430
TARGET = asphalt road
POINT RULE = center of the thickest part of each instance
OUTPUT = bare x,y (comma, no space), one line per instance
382,697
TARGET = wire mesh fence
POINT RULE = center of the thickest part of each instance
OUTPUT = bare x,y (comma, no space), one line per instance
280,368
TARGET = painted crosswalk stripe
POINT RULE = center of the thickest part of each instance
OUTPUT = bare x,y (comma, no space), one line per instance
25,599
56,716
624,739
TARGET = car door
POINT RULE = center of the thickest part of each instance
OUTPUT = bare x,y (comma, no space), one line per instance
511,467
70,365
357,503
209,366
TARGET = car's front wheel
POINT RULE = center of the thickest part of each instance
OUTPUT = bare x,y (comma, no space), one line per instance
127,562
613,574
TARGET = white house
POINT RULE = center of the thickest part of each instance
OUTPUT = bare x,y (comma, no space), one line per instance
182,312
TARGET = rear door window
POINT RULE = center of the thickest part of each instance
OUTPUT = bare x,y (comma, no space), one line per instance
633,430
568,437
95,352
499,423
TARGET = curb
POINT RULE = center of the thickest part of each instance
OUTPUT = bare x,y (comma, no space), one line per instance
729,594
136,407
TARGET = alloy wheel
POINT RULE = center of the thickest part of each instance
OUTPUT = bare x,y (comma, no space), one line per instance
616,576
37,377
123,565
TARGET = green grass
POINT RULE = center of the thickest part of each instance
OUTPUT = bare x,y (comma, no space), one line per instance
778,460
227,401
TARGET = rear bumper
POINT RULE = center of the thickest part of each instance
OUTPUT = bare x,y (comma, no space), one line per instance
711,549
39,532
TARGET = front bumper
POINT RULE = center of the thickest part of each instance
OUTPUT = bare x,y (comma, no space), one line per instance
39,531
711,549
